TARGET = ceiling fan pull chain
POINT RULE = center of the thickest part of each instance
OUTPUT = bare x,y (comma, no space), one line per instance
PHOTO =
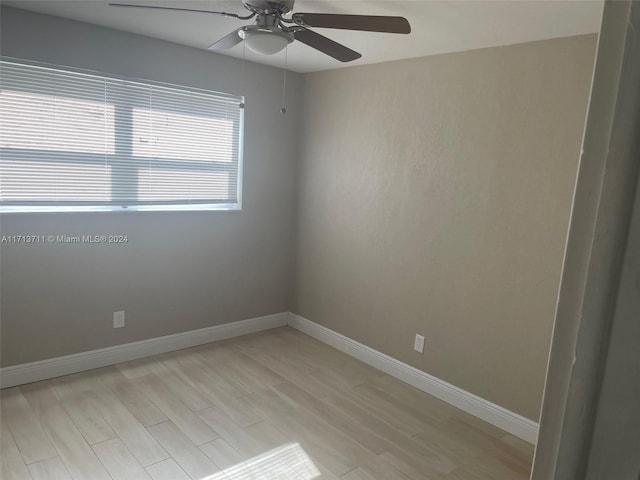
244,55
283,110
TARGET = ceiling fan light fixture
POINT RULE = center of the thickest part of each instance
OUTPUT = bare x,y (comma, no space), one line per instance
265,41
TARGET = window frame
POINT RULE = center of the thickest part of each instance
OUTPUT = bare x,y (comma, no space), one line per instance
86,158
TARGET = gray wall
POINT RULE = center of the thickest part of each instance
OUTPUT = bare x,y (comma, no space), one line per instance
179,271
434,198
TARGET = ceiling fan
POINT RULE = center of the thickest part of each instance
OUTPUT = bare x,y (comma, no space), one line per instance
273,29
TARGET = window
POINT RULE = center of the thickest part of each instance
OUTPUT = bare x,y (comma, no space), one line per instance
76,141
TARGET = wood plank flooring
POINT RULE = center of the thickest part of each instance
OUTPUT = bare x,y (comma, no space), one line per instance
276,405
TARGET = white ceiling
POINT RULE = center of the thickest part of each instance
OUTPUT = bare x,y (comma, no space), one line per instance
437,26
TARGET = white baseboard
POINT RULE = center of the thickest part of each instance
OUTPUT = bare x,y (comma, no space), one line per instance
494,414
55,367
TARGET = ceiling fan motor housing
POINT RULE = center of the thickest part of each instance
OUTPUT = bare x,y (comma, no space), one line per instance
269,6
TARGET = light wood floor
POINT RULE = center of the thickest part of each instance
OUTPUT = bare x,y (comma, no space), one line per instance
274,405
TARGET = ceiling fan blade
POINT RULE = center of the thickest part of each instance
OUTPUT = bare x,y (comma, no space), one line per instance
228,41
224,14
367,23
326,45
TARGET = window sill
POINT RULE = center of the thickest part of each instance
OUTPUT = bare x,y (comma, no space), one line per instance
216,207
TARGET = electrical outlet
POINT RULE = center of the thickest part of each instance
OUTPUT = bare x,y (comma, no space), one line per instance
118,319
418,344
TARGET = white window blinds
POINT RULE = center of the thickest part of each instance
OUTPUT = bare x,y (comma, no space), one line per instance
73,141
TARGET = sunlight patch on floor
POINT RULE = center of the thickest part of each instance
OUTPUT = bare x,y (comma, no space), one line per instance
289,461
